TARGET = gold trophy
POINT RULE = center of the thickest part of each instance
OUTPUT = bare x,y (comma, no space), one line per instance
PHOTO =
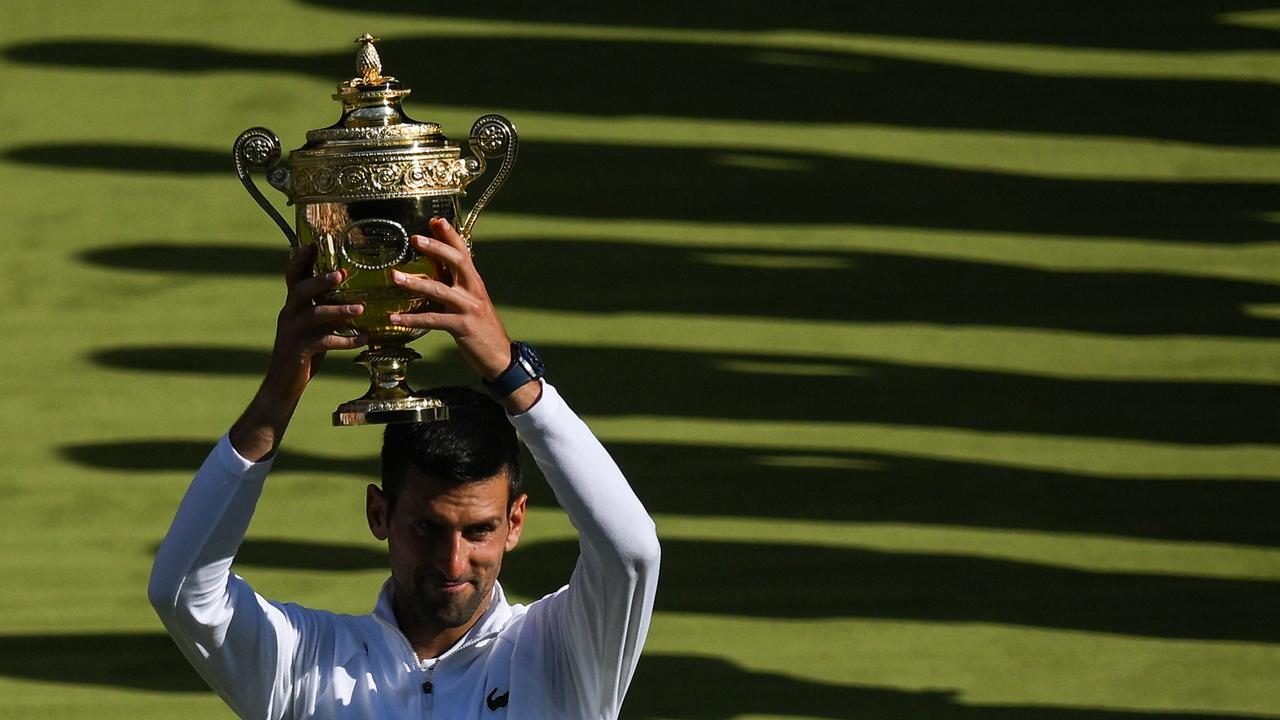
362,187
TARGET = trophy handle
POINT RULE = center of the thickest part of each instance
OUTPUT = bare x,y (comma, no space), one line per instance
491,136
259,149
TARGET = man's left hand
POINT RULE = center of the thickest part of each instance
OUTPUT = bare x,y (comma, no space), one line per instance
464,308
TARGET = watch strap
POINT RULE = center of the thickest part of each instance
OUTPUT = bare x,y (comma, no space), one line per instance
525,367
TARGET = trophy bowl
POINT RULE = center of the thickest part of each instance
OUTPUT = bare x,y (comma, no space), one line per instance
361,188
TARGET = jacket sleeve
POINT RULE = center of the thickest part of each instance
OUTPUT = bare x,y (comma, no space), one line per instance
240,644
596,626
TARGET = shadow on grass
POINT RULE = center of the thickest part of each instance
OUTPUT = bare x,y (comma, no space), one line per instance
123,157
1181,25
584,276
164,454
619,78
213,258
757,579
710,385
848,487
900,489
661,687
312,555
810,582
697,687
136,661
865,287
637,182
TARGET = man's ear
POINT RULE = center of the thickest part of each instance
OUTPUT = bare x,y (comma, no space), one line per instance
515,519
375,507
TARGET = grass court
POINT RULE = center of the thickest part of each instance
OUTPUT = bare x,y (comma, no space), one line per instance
940,339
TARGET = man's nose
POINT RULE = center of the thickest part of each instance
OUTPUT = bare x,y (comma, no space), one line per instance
451,558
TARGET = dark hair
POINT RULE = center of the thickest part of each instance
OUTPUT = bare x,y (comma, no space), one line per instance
476,443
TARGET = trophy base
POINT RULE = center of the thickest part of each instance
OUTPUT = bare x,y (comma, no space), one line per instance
372,411
390,399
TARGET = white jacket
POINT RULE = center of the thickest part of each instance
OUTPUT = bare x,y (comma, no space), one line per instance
570,654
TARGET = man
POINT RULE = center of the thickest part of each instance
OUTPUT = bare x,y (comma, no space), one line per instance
442,640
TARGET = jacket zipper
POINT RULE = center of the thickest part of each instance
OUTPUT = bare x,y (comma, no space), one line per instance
408,647
428,685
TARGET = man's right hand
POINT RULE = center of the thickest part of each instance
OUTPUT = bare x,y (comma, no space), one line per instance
304,333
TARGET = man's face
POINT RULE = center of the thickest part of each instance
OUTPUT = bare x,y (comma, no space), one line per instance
446,546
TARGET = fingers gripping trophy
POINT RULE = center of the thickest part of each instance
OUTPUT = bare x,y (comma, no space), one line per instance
362,188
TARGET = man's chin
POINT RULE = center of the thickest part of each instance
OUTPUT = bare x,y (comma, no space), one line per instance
450,610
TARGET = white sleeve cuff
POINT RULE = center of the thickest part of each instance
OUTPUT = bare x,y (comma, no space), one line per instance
230,460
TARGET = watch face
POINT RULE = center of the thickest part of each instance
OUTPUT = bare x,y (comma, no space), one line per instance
532,363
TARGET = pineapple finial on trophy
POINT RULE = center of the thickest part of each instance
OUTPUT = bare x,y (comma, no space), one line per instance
368,64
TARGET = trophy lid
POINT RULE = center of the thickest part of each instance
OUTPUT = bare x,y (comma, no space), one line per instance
371,112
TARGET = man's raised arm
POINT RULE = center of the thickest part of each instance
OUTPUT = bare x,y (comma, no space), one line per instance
598,623
585,640
240,644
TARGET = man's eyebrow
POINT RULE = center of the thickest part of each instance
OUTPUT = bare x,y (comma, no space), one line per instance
493,520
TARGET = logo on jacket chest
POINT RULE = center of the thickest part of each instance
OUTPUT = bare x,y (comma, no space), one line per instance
496,701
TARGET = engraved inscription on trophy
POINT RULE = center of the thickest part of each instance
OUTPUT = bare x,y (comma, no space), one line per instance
374,244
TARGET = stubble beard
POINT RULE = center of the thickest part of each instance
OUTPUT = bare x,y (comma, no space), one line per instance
445,610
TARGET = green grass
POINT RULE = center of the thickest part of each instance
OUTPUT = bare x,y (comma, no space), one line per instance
943,351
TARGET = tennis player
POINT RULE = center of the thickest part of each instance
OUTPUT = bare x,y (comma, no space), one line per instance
442,640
